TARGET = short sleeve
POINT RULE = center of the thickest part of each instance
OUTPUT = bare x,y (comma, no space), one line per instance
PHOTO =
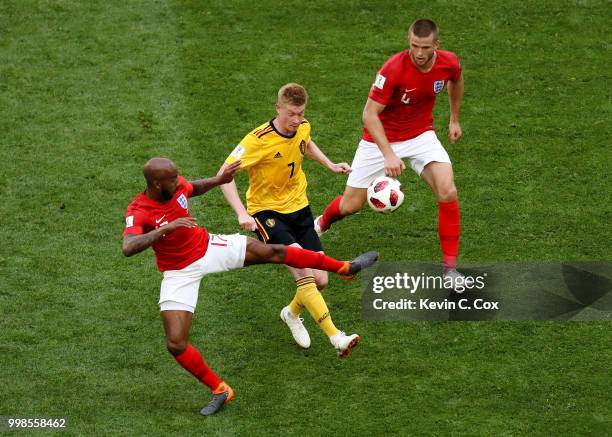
457,70
385,82
307,136
187,186
135,222
248,151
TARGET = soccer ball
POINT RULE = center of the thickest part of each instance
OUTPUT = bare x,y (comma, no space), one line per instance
385,194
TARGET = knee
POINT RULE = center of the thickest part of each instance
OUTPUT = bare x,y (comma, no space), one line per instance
278,252
176,346
321,283
261,253
447,194
272,253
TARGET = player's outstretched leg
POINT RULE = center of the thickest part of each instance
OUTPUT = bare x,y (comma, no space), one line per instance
349,203
261,253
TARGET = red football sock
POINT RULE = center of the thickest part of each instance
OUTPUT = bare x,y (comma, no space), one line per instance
302,258
192,361
331,214
449,229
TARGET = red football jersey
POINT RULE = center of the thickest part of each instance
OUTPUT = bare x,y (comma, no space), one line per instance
409,95
177,249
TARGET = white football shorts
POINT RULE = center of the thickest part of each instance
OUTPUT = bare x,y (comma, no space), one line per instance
179,288
368,163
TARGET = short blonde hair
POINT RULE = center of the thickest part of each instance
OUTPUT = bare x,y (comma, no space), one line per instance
293,94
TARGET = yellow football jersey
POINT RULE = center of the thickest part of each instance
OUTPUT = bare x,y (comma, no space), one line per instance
274,164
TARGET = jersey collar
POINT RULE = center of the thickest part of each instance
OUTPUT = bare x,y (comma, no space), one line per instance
284,136
417,68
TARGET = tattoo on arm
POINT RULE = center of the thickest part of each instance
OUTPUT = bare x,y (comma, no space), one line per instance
201,186
133,244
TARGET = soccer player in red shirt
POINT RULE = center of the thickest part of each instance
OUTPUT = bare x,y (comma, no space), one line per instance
185,252
398,123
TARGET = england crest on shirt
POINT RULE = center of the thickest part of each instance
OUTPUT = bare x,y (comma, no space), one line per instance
182,200
438,86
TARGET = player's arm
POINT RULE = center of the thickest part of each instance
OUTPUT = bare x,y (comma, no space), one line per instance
393,164
455,97
317,155
230,192
225,175
136,243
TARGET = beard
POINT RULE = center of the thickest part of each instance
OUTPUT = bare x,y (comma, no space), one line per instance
167,195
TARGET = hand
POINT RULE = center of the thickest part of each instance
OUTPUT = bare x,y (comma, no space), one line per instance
247,222
394,166
228,173
454,131
341,167
182,222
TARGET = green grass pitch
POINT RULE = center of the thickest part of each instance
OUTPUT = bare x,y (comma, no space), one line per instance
90,90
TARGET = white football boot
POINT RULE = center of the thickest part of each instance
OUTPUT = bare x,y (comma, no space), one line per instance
343,343
459,282
296,326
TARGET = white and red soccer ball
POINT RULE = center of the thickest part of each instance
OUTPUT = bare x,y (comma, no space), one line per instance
385,194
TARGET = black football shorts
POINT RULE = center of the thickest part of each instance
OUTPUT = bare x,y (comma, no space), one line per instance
296,227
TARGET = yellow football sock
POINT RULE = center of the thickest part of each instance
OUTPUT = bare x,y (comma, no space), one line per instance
294,306
309,296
